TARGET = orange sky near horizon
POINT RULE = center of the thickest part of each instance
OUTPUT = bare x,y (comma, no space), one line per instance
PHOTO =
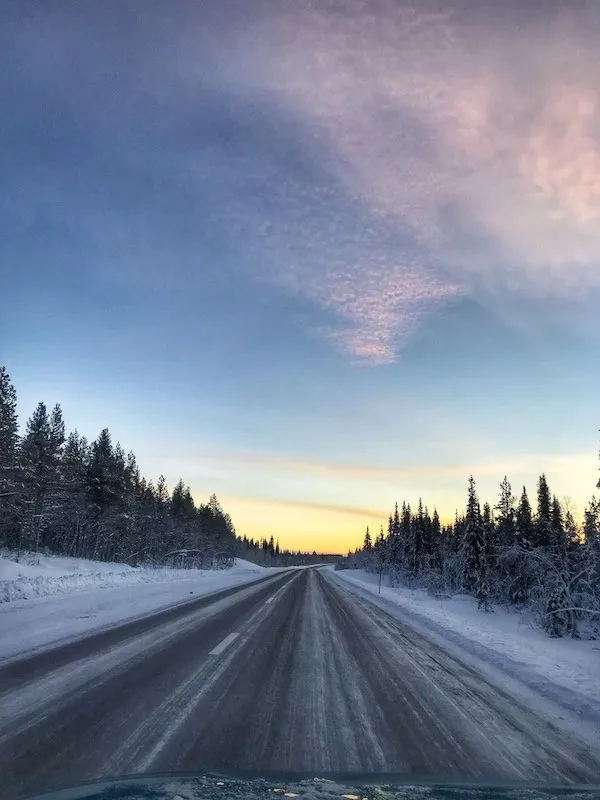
360,495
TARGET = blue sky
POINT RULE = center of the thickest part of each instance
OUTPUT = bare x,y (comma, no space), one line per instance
313,256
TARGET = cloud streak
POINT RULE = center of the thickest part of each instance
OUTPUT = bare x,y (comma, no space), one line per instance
581,463
298,505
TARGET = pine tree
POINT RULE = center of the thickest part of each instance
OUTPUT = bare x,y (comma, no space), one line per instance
472,543
489,566
473,515
591,524
394,538
426,542
9,523
571,530
178,500
543,527
367,544
101,477
103,485
544,501
489,540
40,455
405,535
390,539
69,515
486,516
57,432
591,532
524,533
520,571
161,491
185,532
415,541
557,527
505,514
436,533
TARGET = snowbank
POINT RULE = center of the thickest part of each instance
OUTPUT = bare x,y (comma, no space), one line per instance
565,671
42,576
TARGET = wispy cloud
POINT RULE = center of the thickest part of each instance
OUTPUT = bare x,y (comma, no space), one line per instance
381,306
299,505
479,136
580,463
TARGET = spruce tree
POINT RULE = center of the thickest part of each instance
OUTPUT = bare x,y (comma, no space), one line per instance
405,535
57,432
69,516
571,530
161,491
472,545
436,537
591,533
543,527
367,544
395,538
524,533
591,524
505,514
178,500
103,485
40,453
557,527
101,477
488,571
415,540
426,542
520,567
489,539
9,522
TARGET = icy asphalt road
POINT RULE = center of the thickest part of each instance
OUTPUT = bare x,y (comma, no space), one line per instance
291,673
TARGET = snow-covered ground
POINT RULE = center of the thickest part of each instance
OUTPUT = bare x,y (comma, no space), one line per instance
565,671
41,575
49,599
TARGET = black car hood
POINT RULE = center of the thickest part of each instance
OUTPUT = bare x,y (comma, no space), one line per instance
186,786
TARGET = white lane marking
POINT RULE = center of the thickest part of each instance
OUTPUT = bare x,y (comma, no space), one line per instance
224,644
178,706
285,586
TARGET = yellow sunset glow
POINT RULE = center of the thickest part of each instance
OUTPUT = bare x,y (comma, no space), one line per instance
278,501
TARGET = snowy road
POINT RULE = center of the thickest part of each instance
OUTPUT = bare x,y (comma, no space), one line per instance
290,673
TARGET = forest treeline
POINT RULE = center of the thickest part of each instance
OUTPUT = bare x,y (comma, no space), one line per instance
511,553
62,494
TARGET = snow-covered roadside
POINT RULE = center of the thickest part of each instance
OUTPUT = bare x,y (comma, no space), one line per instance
77,597
564,671
43,576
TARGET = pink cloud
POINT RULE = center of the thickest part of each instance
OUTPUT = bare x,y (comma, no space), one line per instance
382,306
562,158
427,112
